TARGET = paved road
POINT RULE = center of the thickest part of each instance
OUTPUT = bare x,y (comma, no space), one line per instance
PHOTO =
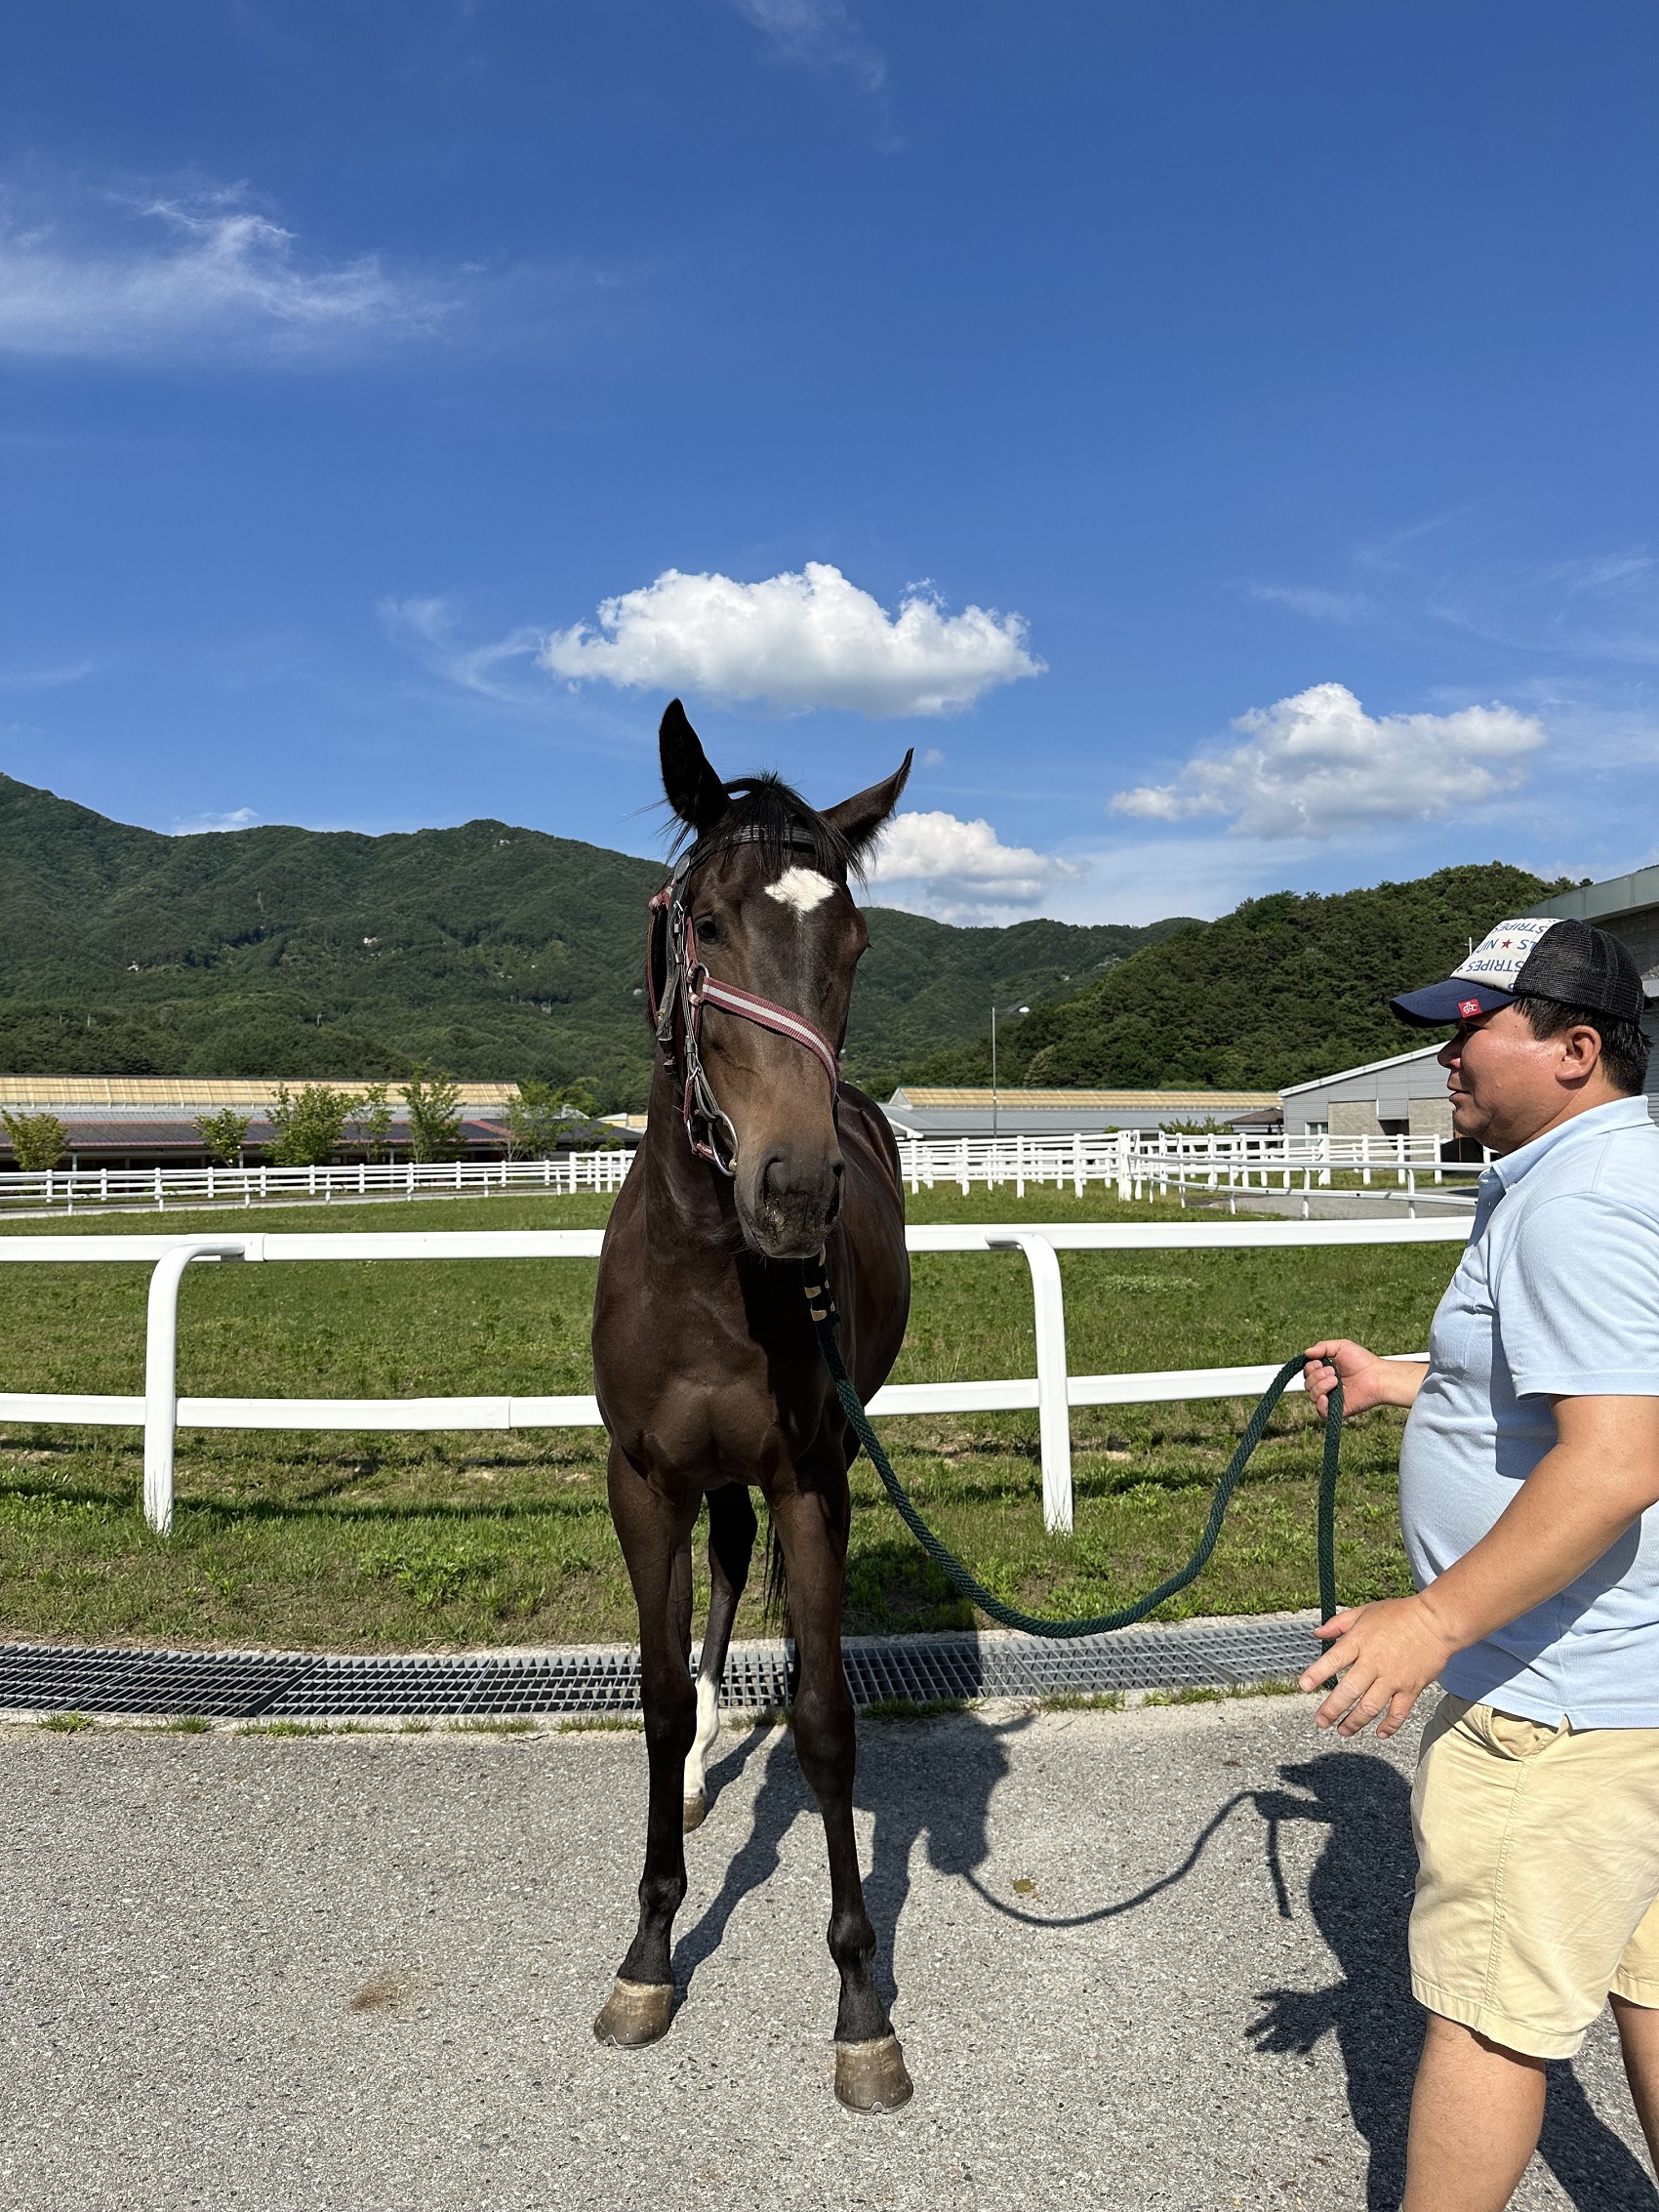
1340,1206
1200,2005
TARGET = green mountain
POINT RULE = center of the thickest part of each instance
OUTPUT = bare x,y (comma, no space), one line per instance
490,950
924,981
1282,989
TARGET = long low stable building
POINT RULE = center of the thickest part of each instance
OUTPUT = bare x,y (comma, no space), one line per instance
915,1110
1402,1096
150,1121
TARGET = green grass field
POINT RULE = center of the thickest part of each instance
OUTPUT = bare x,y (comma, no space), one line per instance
384,1541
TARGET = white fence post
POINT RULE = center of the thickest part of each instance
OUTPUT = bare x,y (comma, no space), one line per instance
1054,1410
161,1370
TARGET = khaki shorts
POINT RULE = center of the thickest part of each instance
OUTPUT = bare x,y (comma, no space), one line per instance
1538,1856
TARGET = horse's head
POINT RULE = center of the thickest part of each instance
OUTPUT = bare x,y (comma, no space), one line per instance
768,896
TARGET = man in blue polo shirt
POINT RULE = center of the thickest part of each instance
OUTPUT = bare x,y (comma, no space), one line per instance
1529,1500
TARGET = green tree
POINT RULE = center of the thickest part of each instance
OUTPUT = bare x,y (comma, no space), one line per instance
224,1134
371,1121
308,1124
433,1101
538,1119
37,1140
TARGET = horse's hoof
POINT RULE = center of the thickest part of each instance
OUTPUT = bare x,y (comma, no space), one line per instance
635,2013
870,2077
696,1812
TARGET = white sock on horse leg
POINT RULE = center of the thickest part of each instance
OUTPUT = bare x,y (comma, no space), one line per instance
707,1729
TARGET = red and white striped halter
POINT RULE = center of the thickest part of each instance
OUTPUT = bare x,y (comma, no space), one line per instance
688,987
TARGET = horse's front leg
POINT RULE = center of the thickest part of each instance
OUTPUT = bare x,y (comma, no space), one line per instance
653,1534
731,1547
869,2066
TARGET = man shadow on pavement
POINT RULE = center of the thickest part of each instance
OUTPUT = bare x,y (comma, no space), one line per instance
934,1784
1360,1893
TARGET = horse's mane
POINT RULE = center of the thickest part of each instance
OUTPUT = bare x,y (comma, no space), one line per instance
766,811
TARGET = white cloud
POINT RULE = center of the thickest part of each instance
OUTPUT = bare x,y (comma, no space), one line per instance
935,863
45,678
431,624
199,274
796,641
243,818
1309,599
1319,765
820,31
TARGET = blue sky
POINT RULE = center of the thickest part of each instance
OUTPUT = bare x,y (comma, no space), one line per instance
1219,439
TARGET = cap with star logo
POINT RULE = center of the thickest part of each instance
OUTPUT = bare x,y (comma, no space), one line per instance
1537,957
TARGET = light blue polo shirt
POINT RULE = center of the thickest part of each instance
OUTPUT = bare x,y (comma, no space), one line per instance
1557,1296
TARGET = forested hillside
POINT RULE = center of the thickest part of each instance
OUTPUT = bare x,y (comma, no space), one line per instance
1282,989
491,950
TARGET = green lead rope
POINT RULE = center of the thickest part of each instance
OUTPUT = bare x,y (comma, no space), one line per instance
824,1317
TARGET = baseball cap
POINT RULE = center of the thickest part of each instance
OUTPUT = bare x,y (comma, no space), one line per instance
1537,957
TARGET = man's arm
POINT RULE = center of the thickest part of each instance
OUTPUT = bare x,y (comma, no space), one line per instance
1602,1475
1366,1380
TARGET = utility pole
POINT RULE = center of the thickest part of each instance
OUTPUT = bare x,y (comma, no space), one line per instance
994,1097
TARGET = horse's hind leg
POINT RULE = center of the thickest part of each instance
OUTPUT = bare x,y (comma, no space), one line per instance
653,1534
869,2066
731,1547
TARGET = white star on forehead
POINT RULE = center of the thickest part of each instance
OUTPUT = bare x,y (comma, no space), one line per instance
803,888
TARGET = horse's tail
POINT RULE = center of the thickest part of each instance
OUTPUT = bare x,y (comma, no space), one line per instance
775,1604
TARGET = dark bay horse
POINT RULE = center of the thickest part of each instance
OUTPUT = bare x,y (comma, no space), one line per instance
708,1375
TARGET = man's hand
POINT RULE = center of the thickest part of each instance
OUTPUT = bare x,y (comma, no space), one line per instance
1366,1380
1387,1655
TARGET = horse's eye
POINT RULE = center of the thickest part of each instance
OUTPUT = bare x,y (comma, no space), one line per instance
706,925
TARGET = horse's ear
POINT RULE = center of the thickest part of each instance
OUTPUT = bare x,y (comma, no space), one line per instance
861,818
694,790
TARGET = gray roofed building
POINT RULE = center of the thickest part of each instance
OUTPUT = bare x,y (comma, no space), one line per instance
1402,1096
920,1110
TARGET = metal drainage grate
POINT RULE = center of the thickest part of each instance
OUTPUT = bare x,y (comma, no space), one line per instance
970,1665
300,1686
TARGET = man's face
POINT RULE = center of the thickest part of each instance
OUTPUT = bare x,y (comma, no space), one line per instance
1508,1087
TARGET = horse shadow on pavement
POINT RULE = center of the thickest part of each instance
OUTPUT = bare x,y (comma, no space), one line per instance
953,1818
1359,1894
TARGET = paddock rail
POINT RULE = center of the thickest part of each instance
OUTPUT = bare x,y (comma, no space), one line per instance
1128,1159
1051,1392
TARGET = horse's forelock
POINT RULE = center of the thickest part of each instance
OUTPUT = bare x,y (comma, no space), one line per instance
767,813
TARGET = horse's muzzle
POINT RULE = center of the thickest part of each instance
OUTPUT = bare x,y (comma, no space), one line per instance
791,1205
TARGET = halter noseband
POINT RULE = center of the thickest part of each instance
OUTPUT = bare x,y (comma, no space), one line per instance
688,987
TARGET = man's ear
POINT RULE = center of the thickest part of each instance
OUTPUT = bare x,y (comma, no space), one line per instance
861,818
694,790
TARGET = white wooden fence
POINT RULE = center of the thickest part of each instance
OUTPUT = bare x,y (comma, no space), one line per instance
1132,1159
81,1189
1052,1391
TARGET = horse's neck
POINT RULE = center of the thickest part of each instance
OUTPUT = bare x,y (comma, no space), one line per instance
687,1202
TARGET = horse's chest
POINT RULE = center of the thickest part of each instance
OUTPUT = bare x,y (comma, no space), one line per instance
715,1406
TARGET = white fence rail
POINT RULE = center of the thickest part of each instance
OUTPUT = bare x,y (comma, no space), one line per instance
1138,1159
83,1188
1052,1391
1132,1159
